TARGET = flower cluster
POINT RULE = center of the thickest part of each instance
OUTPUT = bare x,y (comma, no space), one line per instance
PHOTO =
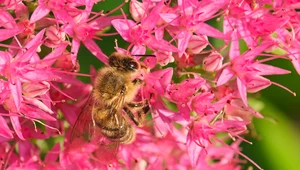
197,91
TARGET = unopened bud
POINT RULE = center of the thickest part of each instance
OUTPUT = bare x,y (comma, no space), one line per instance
213,62
257,83
137,10
197,44
54,37
32,89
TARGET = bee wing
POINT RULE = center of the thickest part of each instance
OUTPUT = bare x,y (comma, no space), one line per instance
84,127
108,149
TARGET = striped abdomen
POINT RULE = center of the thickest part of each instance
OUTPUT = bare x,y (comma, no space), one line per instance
113,125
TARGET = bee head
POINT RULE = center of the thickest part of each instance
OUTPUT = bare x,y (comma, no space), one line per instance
123,62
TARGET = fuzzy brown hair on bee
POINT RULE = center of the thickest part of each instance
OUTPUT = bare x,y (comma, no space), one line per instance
111,104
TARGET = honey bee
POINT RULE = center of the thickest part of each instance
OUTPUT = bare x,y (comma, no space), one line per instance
111,105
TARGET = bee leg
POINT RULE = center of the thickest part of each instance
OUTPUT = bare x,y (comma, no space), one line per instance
131,116
137,81
136,104
142,110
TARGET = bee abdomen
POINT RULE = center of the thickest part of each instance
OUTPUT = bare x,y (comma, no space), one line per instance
124,134
113,125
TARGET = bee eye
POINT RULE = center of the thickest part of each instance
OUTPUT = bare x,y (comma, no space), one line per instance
132,66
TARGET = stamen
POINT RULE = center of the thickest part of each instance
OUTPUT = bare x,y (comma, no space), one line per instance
10,114
107,34
8,155
116,43
285,88
216,117
108,13
52,102
240,153
292,31
243,139
72,73
18,42
272,57
50,127
56,88
9,46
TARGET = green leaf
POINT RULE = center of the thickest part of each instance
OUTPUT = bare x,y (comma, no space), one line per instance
278,147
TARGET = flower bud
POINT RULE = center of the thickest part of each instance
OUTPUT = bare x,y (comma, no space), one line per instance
64,62
54,37
213,62
197,44
164,57
32,89
137,10
28,28
257,83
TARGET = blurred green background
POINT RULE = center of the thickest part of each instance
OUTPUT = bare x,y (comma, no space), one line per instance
277,144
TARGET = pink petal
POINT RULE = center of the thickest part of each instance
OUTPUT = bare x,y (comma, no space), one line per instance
205,29
185,111
152,18
193,149
70,113
103,22
17,126
235,46
183,40
52,156
55,54
8,33
162,45
245,34
39,104
242,90
165,76
40,75
266,69
138,50
295,57
159,33
150,62
171,18
4,129
251,54
36,113
161,127
208,9
137,10
16,92
123,27
74,50
39,12
95,50
7,20
30,47
37,40
27,55
225,76
88,8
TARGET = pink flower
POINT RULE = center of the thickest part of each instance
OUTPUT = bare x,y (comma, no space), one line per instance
196,89
142,34
248,72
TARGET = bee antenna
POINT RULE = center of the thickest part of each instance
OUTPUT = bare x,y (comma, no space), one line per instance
144,55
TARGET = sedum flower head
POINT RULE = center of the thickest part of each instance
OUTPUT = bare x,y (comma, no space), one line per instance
197,91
